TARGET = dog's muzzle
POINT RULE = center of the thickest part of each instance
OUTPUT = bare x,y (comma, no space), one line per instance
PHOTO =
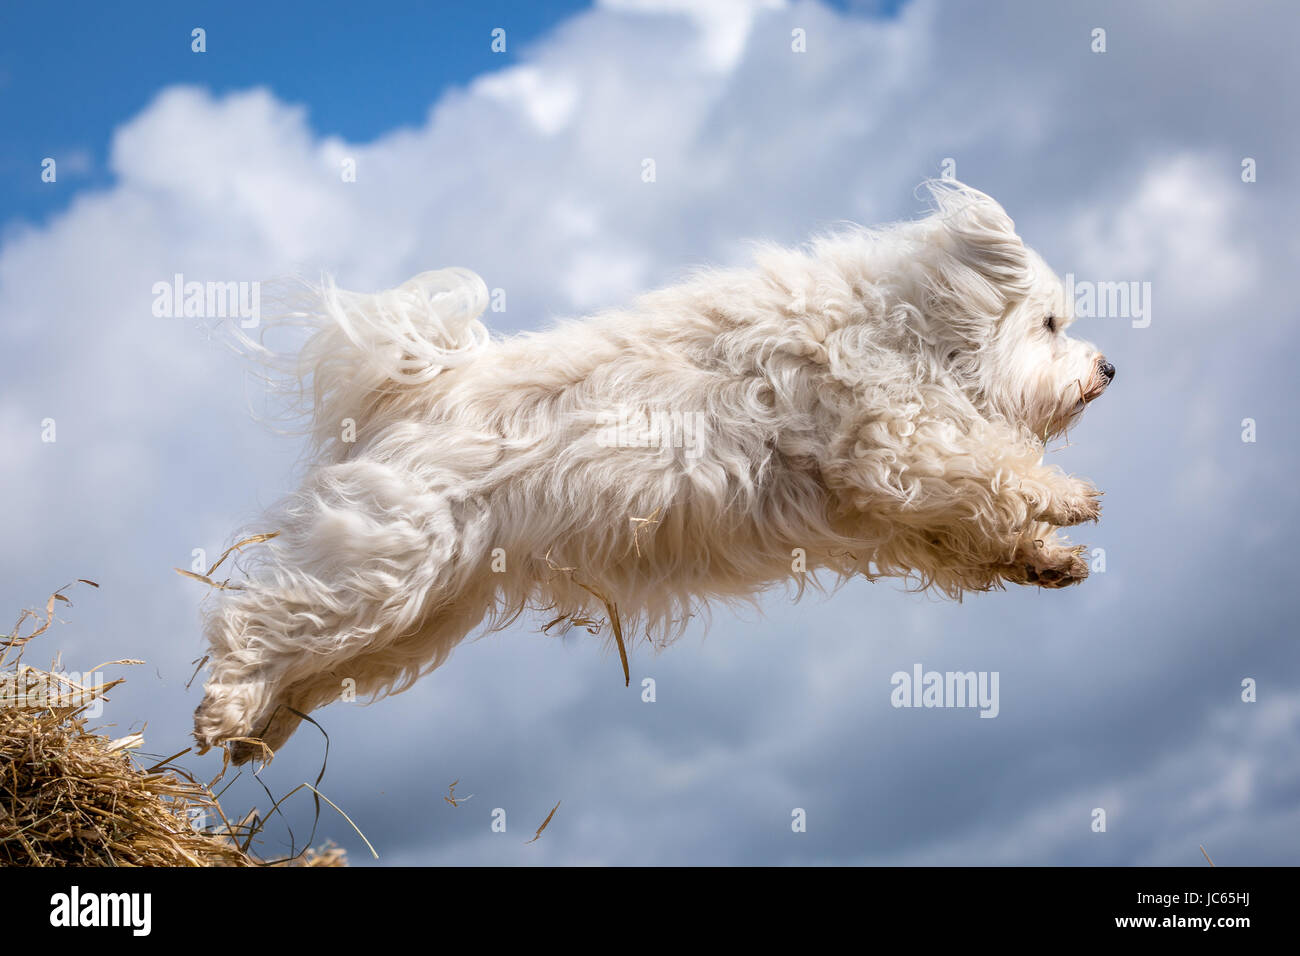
1104,376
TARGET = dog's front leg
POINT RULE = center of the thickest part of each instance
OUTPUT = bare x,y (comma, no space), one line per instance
1066,500
1042,559
963,508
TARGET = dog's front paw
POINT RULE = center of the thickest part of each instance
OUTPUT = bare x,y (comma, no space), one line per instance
1082,503
1048,566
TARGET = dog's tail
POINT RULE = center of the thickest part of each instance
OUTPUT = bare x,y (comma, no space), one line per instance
362,347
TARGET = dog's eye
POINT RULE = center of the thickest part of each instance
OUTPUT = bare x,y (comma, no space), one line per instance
1049,323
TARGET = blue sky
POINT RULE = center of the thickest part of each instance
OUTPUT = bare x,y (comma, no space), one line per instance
1126,165
73,71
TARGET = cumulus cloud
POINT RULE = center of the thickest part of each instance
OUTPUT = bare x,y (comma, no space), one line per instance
1176,227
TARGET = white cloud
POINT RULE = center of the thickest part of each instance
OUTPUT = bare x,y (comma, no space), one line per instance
1176,228
548,102
723,26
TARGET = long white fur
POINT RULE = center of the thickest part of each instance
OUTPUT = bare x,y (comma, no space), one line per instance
876,403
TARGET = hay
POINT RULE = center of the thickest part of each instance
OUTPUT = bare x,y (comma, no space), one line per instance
72,797
454,800
327,855
545,823
237,546
592,626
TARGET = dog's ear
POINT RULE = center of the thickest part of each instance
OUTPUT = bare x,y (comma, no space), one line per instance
973,265
976,231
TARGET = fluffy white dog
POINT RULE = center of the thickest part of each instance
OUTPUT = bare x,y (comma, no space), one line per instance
875,404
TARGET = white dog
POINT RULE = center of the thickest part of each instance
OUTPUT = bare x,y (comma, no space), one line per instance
875,404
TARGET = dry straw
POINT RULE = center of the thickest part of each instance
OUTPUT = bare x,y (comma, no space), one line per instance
72,797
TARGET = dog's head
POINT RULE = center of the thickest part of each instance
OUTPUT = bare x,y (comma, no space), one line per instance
995,319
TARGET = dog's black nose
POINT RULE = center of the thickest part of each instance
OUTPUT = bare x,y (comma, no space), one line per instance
1108,370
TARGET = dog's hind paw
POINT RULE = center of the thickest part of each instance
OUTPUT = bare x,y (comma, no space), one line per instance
245,718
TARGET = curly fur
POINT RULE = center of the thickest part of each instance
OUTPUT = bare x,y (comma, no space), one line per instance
876,404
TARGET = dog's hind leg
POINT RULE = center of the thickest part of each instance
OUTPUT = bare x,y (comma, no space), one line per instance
367,553
368,673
